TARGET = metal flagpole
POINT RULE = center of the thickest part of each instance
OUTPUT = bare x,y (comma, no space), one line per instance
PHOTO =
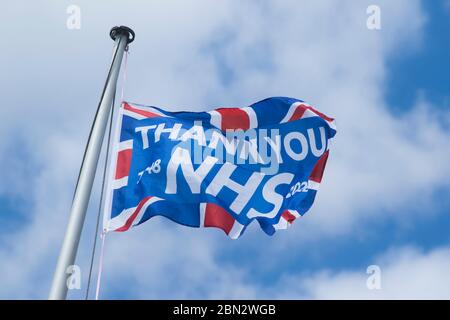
122,37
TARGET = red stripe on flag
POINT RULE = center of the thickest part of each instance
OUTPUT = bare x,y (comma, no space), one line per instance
298,113
317,172
123,163
144,113
289,217
216,216
234,118
321,114
130,220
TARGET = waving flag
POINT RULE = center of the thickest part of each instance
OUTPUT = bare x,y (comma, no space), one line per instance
223,168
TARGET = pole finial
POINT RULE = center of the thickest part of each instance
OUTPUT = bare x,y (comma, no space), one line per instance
116,31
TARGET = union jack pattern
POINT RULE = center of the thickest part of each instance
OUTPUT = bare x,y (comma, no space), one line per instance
279,110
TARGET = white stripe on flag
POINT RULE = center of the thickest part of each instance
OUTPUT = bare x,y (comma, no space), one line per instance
119,183
253,119
144,207
290,112
282,224
313,185
148,109
124,145
121,219
216,119
295,213
235,231
202,214
133,115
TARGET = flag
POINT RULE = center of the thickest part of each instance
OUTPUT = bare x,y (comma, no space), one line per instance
223,168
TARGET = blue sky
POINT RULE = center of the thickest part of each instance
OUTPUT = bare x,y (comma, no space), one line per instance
384,199
427,66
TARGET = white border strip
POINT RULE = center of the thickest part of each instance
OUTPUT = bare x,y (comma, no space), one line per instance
216,119
253,119
291,111
313,185
236,230
121,219
111,169
202,214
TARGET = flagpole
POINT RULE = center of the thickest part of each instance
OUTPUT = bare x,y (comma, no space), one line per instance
122,36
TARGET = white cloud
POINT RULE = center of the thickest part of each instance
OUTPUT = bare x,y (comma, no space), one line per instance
179,272
196,55
406,273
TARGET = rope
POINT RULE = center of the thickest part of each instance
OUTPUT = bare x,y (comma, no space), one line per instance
103,234
100,264
124,79
100,206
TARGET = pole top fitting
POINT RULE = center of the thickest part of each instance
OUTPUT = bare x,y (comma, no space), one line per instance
122,30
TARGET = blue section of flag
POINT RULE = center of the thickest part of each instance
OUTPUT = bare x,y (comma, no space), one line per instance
188,167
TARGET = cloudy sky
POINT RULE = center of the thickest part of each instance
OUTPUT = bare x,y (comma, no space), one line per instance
385,196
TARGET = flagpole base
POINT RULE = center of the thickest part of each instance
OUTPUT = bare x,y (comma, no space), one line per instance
116,31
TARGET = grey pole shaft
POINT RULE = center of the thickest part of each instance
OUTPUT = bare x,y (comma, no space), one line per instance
88,168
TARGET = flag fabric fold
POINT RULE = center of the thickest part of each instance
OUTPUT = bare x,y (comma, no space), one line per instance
223,168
